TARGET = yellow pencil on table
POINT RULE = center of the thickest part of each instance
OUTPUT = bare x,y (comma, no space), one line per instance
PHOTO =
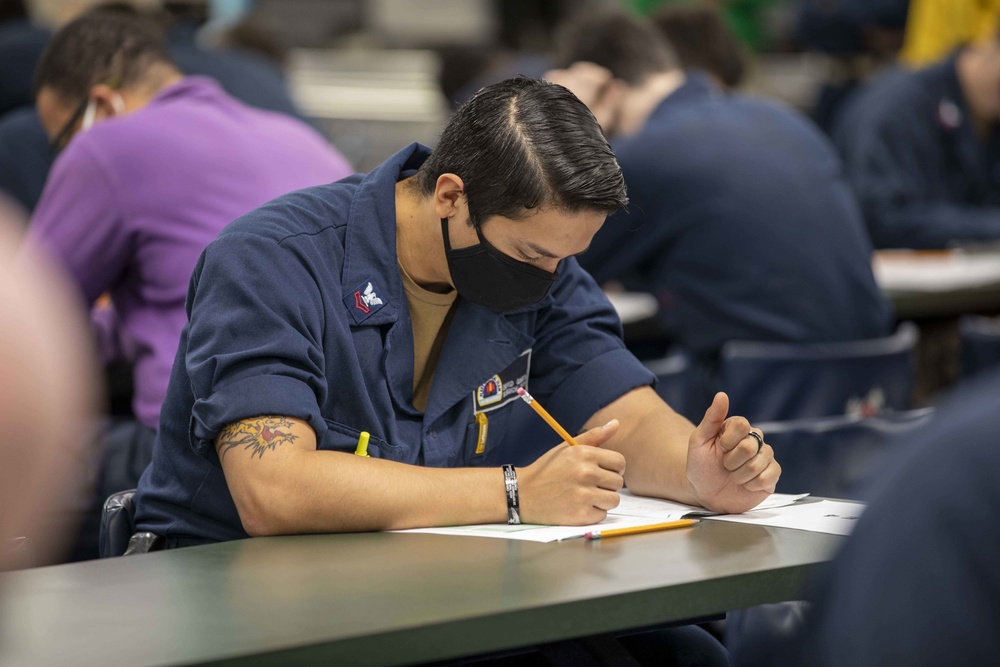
544,414
651,528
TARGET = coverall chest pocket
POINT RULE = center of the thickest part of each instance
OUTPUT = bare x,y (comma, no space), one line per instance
516,435
343,438
484,440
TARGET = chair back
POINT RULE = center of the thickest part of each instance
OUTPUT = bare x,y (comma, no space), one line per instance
980,338
836,456
117,523
785,381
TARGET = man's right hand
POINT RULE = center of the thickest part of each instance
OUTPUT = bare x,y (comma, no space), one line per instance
573,486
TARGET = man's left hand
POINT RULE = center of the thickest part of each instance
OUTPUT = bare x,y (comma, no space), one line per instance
729,471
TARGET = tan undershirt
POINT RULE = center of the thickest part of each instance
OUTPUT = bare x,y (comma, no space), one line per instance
431,314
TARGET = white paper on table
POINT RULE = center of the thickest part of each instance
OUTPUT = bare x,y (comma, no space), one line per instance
535,533
632,512
655,508
633,306
906,272
825,516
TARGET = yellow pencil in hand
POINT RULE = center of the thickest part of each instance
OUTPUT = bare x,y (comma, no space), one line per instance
549,419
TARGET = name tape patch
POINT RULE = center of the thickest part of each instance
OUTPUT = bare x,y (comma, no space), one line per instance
501,389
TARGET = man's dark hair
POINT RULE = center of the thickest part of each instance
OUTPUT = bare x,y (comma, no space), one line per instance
522,144
101,47
703,40
631,48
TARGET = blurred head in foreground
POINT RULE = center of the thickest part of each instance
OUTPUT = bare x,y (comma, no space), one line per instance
49,390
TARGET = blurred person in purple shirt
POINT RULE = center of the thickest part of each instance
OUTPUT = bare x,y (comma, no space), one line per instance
152,166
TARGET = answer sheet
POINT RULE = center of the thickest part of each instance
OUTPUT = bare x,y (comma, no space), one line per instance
825,516
633,511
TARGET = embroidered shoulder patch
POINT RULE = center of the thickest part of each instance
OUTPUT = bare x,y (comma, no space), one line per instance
364,301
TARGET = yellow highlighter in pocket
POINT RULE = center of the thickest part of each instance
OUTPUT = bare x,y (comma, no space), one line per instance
362,449
484,427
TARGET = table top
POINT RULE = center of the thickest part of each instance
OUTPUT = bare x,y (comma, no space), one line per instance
919,283
388,598
939,283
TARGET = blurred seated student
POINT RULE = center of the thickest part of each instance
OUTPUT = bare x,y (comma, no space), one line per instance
702,41
851,27
740,220
25,158
522,48
922,151
152,166
747,18
917,582
49,389
255,34
21,45
245,74
857,39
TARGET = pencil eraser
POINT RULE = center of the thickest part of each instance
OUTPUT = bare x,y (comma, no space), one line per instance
521,391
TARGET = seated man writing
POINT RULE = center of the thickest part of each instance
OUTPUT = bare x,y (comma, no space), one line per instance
412,303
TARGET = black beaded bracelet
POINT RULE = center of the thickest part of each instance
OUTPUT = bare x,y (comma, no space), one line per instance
513,503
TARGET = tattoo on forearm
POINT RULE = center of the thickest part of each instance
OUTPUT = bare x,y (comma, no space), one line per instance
258,435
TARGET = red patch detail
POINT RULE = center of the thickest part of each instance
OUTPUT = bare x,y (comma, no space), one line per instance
359,304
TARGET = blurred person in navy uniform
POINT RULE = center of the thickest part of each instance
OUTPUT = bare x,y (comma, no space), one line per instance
849,27
22,165
917,582
740,220
703,41
25,158
923,154
21,45
859,38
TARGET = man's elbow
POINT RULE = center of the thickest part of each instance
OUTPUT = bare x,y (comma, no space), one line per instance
258,524
264,511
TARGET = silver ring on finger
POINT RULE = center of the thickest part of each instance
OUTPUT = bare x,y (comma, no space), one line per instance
760,440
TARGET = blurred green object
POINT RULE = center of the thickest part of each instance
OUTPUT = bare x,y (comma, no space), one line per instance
743,15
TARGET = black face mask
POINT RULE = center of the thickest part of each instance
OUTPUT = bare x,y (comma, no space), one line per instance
484,275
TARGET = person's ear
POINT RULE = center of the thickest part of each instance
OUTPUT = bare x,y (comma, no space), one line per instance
611,106
449,195
109,101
